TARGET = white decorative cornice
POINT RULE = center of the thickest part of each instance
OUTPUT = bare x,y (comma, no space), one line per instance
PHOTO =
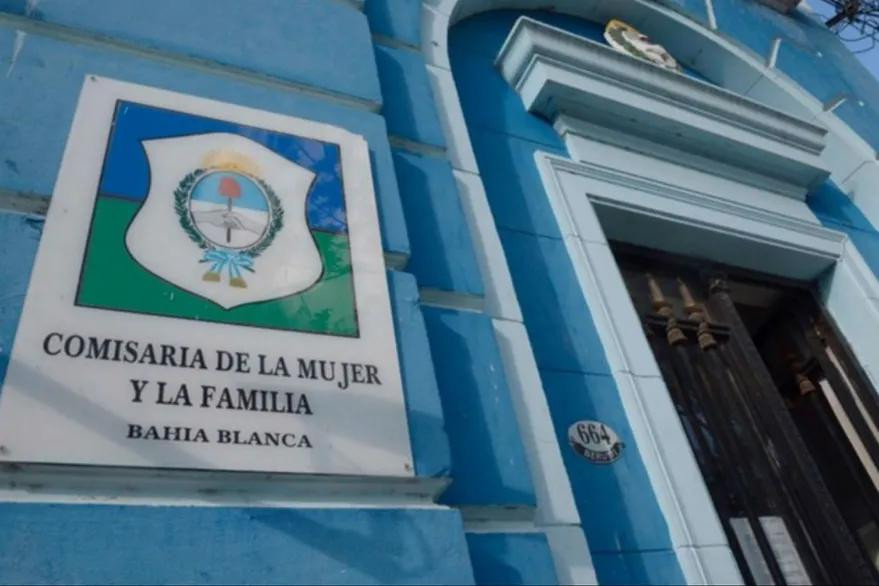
769,230
558,73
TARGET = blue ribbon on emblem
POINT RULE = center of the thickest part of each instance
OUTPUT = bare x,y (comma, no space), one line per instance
229,260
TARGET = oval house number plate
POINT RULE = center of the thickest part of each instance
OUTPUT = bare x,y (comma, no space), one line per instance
595,441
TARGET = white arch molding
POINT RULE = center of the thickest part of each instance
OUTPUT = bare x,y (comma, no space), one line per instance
693,525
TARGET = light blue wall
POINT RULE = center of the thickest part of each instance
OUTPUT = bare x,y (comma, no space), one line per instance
617,506
695,9
409,106
442,254
511,558
811,55
362,70
488,461
646,567
427,426
397,20
18,247
106,544
233,33
837,211
488,466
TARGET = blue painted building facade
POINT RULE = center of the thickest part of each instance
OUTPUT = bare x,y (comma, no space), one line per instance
501,347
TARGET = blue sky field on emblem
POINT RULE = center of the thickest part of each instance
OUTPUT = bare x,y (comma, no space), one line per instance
126,170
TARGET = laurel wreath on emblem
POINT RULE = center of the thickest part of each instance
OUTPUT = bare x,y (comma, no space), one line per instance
223,258
614,34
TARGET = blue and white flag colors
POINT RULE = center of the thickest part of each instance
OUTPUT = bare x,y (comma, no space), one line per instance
229,209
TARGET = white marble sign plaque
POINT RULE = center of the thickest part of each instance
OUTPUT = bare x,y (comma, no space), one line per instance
209,293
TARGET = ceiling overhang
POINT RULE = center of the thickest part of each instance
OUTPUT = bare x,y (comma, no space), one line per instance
559,74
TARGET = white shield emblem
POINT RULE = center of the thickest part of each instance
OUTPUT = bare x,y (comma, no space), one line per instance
225,218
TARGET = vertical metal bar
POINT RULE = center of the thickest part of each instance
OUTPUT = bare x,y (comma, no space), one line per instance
840,549
814,401
843,390
825,327
730,456
734,402
721,377
764,406
726,446
719,483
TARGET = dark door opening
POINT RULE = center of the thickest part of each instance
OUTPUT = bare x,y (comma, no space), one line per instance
782,420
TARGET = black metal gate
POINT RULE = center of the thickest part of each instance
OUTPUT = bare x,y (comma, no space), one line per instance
761,425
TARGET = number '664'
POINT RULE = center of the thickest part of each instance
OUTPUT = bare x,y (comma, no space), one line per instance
591,433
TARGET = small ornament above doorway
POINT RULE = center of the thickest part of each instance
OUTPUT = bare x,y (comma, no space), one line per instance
627,39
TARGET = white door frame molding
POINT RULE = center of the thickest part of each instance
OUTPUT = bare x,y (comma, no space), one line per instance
577,192
849,158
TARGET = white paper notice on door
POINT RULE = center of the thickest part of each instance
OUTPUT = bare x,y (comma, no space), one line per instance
782,545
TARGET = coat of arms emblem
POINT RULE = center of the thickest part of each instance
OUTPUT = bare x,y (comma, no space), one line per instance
225,219
627,39
230,213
